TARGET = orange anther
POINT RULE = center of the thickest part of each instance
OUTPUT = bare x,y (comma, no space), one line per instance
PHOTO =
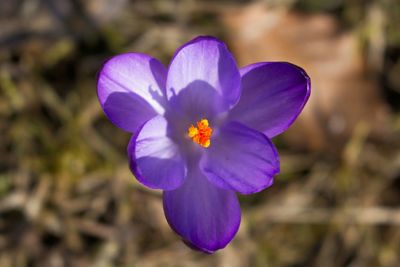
201,134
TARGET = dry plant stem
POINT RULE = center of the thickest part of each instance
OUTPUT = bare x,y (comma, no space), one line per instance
306,215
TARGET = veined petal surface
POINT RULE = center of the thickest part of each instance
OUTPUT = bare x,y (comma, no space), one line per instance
131,89
204,64
273,95
154,158
240,159
204,215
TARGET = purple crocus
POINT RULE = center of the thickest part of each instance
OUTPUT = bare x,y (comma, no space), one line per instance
202,130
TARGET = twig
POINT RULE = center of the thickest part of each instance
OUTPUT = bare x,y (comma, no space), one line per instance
303,215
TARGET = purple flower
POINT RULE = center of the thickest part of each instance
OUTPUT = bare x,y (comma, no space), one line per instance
202,130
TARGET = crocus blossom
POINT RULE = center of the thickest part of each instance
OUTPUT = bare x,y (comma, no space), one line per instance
201,130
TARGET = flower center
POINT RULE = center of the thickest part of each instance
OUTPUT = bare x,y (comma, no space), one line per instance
201,134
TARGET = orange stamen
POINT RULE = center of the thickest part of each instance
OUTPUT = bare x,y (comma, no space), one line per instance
201,134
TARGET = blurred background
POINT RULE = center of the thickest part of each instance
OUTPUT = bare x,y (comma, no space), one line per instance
67,197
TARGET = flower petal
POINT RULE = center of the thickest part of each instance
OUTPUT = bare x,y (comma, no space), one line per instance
131,89
205,216
240,159
205,60
154,158
273,95
198,102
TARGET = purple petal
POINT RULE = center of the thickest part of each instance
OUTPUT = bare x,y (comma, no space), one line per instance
273,95
240,159
205,216
131,89
154,158
198,102
205,62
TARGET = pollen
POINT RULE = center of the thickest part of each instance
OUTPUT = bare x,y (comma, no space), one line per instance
201,134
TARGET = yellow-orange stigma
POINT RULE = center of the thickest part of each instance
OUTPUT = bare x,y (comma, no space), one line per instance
201,134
